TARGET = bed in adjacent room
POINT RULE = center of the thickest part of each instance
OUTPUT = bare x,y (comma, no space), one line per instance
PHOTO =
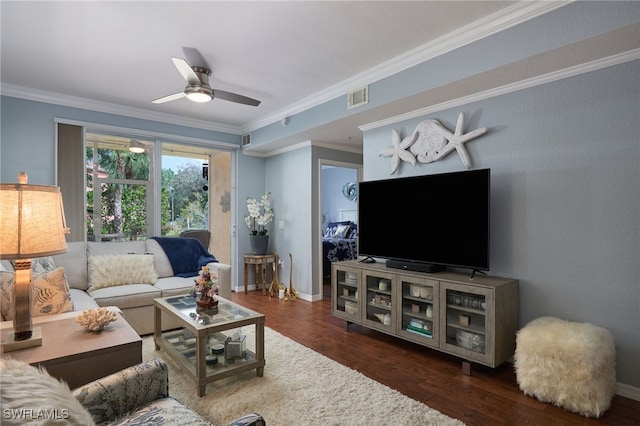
339,240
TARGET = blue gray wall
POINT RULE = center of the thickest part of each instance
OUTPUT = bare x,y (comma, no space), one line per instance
565,163
27,142
565,158
333,181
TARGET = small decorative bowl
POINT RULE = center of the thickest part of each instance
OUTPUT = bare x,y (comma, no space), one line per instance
217,349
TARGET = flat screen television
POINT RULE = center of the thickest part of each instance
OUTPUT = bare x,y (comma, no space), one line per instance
426,223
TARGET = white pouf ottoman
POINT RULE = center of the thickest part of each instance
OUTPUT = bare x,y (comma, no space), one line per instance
569,364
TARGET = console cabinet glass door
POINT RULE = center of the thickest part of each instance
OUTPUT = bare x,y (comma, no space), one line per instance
345,297
418,309
379,300
466,321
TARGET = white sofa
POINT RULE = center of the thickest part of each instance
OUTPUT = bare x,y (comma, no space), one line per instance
135,300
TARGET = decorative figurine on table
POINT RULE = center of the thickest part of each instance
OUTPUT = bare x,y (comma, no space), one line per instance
206,287
96,319
276,285
291,294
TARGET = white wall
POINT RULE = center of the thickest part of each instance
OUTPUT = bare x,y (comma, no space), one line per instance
565,162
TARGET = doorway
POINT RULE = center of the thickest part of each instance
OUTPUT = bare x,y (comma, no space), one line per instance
338,202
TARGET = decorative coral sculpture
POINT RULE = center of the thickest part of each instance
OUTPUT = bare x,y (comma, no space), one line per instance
96,319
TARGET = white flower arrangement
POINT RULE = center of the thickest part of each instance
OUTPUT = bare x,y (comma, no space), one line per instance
260,214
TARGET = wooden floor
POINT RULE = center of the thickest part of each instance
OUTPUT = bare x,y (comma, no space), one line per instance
487,397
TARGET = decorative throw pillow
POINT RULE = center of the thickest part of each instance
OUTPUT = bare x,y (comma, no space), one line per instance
120,269
341,231
353,232
5,265
40,265
26,389
6,295
50,294
332,228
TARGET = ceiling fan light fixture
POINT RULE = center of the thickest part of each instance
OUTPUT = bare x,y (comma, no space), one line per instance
136,147
198,88
198,94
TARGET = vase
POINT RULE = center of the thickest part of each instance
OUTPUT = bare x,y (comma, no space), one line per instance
207,302
259,244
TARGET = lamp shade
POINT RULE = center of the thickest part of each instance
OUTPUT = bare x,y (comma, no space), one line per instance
32,221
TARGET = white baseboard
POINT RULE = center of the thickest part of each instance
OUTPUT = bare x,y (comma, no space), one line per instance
628,391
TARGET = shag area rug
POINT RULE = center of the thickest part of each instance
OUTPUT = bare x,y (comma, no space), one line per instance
299,387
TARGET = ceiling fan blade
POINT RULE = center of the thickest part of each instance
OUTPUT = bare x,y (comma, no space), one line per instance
187,72
168,98
193,56
234,97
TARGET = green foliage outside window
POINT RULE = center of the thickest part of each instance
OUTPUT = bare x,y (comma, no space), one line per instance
123,214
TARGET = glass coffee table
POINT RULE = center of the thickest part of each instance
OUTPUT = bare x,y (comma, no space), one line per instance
199,347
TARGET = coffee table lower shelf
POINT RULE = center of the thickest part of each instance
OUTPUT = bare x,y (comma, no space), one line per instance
184,354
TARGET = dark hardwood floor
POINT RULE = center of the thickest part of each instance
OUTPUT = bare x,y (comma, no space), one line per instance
487,397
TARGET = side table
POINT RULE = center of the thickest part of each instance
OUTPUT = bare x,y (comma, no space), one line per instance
70,353
260,262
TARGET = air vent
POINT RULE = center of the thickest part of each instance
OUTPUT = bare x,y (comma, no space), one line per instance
358,97
246,139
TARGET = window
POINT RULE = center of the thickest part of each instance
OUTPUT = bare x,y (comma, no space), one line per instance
113,194
185,189
119,189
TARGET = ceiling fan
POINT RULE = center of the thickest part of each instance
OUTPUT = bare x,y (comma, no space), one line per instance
198,89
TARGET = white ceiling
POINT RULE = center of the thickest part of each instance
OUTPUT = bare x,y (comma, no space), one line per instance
286,54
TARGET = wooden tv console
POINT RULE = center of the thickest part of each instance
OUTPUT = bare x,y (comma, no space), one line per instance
475,318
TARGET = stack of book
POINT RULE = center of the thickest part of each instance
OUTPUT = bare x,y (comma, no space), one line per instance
420,327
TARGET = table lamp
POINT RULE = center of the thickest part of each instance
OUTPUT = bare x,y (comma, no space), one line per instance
32,224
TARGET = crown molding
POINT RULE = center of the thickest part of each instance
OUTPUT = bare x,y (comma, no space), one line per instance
620,58
492,24
110,108
354,149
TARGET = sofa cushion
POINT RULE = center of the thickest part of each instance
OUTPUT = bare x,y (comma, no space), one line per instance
119,247
172,286
160,259
74,262
81,300
126,296
50,294
119,269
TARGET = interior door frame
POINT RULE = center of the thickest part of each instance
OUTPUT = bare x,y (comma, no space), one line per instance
318,225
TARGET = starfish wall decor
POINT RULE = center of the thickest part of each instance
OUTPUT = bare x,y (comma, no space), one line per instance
430,142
